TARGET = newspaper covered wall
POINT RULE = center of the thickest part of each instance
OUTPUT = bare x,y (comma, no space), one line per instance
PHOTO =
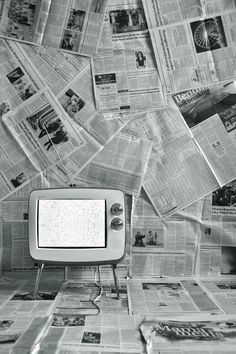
195,53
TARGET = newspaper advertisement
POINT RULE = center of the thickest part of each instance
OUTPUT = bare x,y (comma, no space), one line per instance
159,13
126,80
121,164
211,334
176,161
24,20
195,53
161,249
172,295
124,26
75,25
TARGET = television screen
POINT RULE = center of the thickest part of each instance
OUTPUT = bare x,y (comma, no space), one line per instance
71,223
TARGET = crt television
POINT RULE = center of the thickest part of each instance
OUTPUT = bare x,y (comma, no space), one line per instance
82,226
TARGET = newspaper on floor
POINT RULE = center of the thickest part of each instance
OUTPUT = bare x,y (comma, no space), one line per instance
210,333
121,164
124,26
195,52
159,13
106,333
169,295
24,20
75,25
19,335
224,291
126,79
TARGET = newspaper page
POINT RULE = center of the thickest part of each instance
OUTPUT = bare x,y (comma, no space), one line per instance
24,20
126,80
124,26
172,295
195,53
217,256
110,333
211,334
175,163
75,25
161,249
224,291
19,334
159,13
48,139
121,164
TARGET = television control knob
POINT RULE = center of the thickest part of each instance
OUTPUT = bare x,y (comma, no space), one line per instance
116,209
116,224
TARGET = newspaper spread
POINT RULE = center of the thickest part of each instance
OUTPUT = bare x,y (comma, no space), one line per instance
74,25
210,334
196,51
24,20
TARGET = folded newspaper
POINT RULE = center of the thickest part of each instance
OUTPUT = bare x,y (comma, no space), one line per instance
207,333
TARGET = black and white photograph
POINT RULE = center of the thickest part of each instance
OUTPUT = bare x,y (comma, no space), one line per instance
140,59
225,196
28,296
60,320
71,103
70,40
76,20
15,75
21,19
163,287
5,324
228,260
19,179
208,34
91,337
146,238
24,88
50,129
4,108
127,20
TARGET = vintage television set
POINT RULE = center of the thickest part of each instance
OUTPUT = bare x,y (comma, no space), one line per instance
82,226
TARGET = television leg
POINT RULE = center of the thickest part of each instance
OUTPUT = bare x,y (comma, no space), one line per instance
115,280
65,273
38,277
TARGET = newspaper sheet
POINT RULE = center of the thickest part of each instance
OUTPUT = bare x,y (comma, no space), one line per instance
24,20
126,80
209,109
102,334
176,161
121,164
172,295
161,249
75,25
159,13
19,334
211,334
48,139
124,26
195,53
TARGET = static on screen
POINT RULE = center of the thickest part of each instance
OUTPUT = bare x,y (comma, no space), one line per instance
71,223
